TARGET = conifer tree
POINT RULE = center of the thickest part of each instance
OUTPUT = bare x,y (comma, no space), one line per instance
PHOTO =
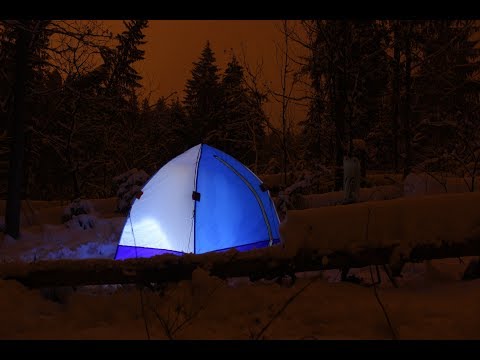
241,118
202,99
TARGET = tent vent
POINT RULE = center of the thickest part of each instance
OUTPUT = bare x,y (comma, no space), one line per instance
196,196
263,187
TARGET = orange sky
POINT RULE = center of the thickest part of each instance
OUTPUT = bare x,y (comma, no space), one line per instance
172,46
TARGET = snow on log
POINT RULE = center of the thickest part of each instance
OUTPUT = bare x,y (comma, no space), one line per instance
386,192
337,237
403,223
434,183
263,263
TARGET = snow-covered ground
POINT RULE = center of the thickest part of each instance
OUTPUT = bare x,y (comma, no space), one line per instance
431,302
44,237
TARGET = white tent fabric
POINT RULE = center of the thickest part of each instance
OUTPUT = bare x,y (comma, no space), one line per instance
154,224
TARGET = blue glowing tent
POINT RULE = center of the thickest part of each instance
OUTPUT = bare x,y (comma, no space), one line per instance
203,200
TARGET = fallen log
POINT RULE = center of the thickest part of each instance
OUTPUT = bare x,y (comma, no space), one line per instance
262,263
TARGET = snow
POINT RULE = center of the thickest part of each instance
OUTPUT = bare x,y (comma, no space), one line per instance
402,222
386,192
275,180
432,302
45,237
129,184
423,183
78,206
209,308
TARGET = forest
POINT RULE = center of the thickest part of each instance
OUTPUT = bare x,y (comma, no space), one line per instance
405,92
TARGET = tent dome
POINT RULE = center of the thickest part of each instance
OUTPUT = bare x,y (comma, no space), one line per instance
202,200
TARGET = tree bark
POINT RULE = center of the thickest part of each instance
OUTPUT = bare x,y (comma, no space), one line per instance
69,150
285,106
339,103
17,132
396,92
407,104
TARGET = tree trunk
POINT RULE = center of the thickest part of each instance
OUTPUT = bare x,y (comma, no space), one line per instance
285,107
339,68
27,165
15,171
348,103
339,103
73,167
407,105
395,93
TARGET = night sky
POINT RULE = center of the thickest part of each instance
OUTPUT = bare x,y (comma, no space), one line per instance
172,46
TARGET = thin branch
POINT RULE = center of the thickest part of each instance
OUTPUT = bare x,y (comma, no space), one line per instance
284,306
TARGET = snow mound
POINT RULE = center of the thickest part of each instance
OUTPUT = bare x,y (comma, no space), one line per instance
50,242
386,192
82,221
8,240
429,184
404,222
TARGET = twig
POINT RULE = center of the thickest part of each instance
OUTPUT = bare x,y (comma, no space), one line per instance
394,336
396,182
143,314
195,314
282,309
171,329
389,273
375,284
165,324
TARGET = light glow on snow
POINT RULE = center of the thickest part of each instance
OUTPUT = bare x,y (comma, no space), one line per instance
148,234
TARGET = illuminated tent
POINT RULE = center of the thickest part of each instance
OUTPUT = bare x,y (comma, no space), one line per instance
203,200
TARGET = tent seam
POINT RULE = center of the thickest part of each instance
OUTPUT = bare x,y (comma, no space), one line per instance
197,167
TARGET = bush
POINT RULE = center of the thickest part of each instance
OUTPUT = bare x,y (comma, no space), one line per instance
78,214
128,186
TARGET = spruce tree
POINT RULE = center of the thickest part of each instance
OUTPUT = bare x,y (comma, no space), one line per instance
121,112
202,99
242,118
123,76
179,127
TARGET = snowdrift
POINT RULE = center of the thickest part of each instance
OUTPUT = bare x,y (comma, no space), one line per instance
423,183
405,222
386,192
